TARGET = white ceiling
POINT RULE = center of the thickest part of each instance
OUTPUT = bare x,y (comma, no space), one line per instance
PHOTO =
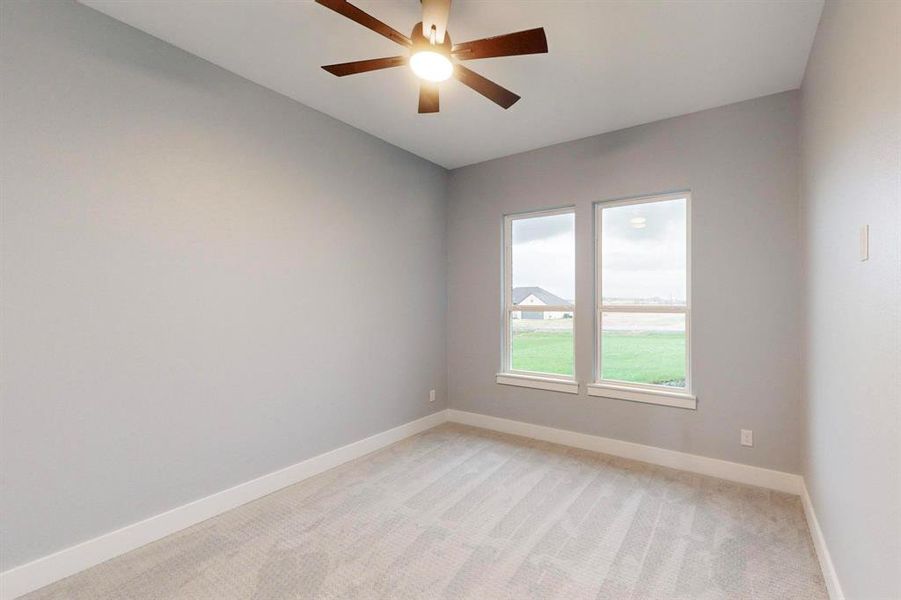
611,64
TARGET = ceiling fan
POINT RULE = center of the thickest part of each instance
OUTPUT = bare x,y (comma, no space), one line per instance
433,58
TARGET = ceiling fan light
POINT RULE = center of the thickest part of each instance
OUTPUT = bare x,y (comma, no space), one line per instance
431,66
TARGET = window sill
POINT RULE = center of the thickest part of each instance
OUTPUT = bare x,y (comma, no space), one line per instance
551,384
662,398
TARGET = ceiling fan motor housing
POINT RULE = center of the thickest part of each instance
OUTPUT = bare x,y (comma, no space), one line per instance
423,44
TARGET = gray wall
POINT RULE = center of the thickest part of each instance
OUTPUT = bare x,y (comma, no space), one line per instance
851,176
740,162
203,281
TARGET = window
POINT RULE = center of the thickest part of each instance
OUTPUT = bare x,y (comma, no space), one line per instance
539,305
643,300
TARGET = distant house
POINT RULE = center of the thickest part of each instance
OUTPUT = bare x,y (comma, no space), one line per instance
536,296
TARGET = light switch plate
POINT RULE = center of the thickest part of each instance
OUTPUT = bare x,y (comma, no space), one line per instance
864,242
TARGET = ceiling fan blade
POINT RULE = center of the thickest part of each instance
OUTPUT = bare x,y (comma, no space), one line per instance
486,87
362,66
428,97
343,7
435,13
531,41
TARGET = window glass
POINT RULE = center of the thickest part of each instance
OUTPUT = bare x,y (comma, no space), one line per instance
539,299
647,348
643,253
542,342
543,260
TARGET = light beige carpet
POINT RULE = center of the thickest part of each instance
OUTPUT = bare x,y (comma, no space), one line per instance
458,512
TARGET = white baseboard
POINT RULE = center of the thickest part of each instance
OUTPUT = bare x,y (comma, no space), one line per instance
819,544
776,480
44,571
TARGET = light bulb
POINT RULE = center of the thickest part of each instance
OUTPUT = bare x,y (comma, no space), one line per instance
431,66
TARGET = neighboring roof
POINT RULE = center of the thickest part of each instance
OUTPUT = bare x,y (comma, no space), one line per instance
521,293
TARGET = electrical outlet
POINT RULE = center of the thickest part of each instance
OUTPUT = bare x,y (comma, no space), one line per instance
431,395
747,437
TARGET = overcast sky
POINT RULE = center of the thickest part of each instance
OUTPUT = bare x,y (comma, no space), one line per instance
643,259
644,262
544,254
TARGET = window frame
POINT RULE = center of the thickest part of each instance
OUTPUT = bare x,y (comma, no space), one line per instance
507,374
634,391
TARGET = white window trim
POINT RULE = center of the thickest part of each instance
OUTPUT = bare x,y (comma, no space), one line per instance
633,393
508,375
638,392
538,382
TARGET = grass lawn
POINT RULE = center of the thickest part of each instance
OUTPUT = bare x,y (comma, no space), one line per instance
543,351
645,357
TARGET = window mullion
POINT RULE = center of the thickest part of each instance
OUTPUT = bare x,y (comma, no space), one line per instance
643,308
542,307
